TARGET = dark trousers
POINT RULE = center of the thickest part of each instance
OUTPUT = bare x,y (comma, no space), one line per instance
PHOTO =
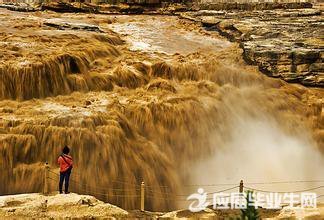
65,176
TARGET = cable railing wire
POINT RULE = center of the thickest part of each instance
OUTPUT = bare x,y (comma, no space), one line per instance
103,189
257,183
208,185
151,193
158,194
224,190
285,182
179,195
209,193
96,192
282,192
93,190
114,181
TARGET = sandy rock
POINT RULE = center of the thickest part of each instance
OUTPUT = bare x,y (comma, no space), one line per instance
185,214
299,213
283,43
57,206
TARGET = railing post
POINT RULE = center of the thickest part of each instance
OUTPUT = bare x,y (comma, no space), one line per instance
142,196
241,186
46,169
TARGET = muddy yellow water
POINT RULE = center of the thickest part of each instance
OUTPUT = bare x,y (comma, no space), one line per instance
165,35
144,98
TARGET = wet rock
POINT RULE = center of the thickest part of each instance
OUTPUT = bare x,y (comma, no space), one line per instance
132,10
254,6
128,7
317,67
22,7
61,25
173,8
64,7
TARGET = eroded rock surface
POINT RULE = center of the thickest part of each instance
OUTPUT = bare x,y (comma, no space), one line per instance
283,43
258,5
57,206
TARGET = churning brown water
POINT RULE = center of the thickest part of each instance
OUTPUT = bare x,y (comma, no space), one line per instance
201,116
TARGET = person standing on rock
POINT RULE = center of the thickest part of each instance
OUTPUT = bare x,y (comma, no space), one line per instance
65,162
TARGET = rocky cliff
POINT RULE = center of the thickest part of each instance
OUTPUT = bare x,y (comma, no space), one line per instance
284,43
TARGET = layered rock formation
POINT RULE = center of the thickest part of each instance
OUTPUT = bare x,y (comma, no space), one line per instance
283,43
252,5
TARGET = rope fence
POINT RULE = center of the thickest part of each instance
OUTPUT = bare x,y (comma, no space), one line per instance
142,191
283,192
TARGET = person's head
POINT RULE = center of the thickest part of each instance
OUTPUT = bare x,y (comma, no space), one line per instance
66,150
